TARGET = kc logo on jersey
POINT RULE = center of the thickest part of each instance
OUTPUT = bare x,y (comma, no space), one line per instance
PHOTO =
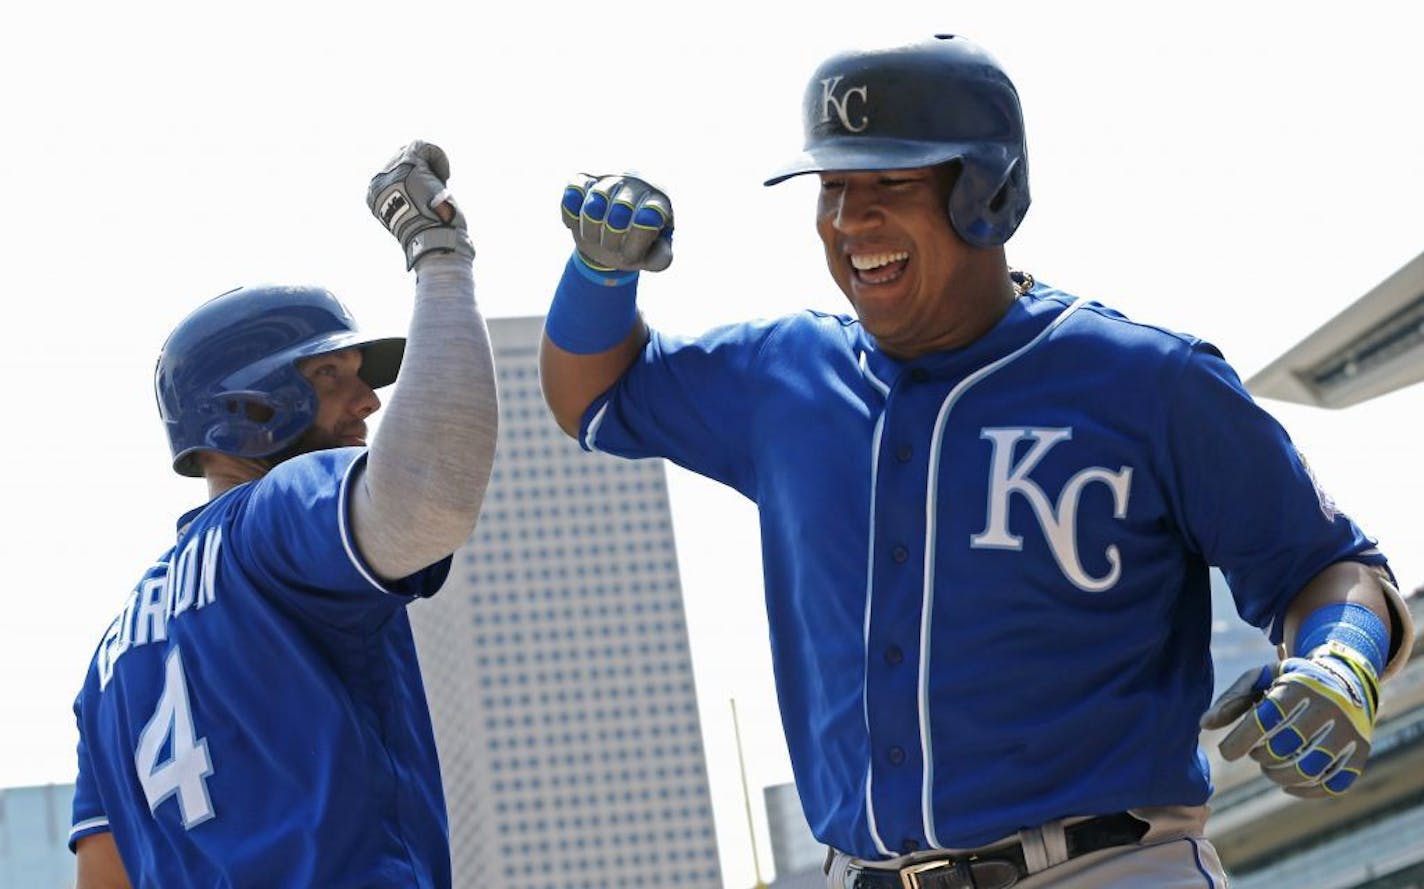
1059,520
829,103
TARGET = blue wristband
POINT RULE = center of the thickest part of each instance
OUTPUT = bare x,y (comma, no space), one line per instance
593,310
1348,624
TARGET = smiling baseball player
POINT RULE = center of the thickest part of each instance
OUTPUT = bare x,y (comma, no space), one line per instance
988,510
254,716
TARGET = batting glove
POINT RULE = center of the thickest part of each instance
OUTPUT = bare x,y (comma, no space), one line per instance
619,223
1306,721
404,197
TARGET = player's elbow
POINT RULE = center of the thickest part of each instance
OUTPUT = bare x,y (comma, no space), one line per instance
451,515
567,421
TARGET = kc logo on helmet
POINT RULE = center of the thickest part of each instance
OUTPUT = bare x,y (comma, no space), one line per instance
830,102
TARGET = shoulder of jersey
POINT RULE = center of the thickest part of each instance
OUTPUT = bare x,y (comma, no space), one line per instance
1106,321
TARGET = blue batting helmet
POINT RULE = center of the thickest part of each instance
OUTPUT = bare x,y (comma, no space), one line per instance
920,105
227,377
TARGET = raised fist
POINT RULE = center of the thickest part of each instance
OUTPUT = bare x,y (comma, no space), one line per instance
619,223
411,200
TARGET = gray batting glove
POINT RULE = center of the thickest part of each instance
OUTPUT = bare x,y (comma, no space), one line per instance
404,197
1306,721
619,223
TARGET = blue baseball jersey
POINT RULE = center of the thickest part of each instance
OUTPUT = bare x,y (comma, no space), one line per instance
255,716
987,568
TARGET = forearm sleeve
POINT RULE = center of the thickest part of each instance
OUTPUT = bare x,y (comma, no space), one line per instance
418,497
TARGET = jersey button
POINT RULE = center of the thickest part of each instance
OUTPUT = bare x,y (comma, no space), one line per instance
899,554
910,846
897,756
919,375
903,453
893,655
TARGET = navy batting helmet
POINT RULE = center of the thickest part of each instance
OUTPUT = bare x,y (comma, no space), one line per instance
927,103
227,377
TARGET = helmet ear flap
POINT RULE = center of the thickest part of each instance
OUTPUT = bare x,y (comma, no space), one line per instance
258,421
988,200
1001,197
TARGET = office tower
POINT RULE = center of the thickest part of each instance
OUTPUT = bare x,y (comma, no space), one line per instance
557,666
793,848
34,837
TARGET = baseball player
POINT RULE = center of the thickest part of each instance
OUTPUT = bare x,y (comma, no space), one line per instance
254,715
988,508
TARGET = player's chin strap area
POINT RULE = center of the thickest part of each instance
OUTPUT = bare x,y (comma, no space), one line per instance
996,867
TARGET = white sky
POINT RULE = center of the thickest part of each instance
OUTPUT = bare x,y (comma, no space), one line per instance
1241,171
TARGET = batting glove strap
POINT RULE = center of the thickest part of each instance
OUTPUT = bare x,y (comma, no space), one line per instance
444,240
1352,682
601,276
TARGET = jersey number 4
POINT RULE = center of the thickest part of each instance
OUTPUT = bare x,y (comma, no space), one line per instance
184,773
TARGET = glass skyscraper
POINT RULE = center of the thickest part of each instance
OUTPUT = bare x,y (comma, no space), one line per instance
557,666
34,837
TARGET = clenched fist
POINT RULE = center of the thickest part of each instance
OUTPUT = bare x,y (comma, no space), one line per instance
410,198
619,223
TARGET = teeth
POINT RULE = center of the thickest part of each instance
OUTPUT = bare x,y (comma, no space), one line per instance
867,261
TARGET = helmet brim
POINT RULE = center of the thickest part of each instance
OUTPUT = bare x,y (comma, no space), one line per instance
867,153
381,361
380,358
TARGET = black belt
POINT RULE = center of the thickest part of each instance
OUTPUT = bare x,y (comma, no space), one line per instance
996,868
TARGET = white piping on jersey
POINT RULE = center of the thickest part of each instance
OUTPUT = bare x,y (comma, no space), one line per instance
597,421
870,375
88,824
345,531
869,592
927,599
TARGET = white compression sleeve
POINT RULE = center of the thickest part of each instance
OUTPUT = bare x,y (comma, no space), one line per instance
420,492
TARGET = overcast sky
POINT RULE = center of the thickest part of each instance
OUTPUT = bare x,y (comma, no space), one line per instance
1240,171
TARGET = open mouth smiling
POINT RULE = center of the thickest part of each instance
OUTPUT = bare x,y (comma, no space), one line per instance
879,268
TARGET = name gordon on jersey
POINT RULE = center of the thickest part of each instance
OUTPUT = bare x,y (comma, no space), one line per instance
184,583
